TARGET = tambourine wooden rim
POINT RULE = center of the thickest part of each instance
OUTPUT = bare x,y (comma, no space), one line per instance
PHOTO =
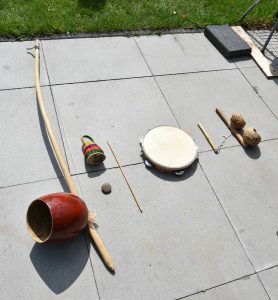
169,148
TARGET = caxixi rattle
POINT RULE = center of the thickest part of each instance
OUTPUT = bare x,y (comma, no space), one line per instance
93,154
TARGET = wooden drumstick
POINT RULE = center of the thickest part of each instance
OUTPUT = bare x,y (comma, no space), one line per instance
236,134
212,144
134,197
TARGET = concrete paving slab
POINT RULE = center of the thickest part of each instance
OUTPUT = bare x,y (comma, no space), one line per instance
270,281
266,88
182,242
25,151
194,97
181,53
17,66
93,59
244,62
45,271
249,287
246,185
120,111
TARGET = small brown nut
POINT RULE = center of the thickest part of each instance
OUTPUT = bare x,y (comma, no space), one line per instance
106,188
237,120
251,137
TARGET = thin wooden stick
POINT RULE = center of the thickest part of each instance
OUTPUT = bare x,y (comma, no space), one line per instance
134,197
233,131
94,234
212,144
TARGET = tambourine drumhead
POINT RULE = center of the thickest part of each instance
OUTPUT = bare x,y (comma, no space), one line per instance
169,147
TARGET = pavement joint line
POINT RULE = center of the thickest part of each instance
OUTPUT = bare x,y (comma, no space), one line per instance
218,199
258,94
266,269
164,97
216,286
263,286
101,80
31,182
123,78
87,245
228,282
229,220
144,76
222,148
269,140
235,146
116,167
24,87
219,285
196,72
107,169
62,177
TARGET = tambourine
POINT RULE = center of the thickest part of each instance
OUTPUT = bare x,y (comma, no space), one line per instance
168,149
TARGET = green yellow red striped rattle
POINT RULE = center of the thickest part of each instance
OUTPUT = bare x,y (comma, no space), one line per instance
93,154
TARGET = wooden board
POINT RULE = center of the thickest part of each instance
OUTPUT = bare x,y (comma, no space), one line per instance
256,53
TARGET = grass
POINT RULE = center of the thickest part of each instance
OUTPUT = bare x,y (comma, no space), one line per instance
27,18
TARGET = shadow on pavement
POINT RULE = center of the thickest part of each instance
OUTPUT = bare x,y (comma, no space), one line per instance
94,171
51,154
90,243
253,152
172,177
59,265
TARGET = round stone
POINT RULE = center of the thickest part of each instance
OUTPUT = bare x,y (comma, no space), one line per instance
106,188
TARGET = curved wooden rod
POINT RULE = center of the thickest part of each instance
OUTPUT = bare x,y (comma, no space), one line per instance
72,187
48,126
